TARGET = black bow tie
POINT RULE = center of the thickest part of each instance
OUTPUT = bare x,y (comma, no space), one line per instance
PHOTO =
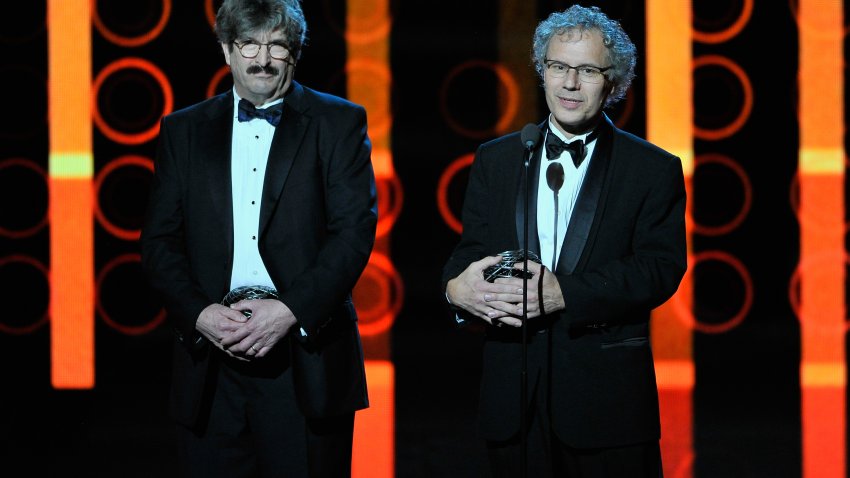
555,146
272,114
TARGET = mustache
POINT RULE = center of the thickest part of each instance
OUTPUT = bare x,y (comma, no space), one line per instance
268,69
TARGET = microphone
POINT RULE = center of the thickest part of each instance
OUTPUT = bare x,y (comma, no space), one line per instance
555,176
530,136
555,179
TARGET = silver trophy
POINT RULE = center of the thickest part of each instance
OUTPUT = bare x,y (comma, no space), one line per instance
505,268
249,292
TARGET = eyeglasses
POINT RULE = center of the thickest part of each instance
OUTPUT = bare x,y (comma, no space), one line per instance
250,50
586,73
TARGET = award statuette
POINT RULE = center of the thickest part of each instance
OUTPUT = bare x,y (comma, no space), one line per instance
505,268
250,292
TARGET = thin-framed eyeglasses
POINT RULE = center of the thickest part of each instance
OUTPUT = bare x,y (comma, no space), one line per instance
586,73
251,49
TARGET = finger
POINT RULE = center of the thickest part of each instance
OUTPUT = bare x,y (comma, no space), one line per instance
235,338
488,261
242,307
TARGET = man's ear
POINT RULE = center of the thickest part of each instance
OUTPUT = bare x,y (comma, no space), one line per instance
226,49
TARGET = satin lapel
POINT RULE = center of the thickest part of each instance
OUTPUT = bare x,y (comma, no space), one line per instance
534,174
215,148
588,201
287,140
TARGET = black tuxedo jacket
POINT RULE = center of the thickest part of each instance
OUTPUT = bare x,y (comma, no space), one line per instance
623,255
317,227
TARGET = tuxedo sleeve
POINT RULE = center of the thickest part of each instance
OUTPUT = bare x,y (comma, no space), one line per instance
163,245
350,215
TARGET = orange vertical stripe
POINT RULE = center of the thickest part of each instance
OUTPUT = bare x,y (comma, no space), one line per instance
71,284
822,229
70,204
669,125
373,427
369,80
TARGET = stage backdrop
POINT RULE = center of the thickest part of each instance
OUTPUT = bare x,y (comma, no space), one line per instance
751,352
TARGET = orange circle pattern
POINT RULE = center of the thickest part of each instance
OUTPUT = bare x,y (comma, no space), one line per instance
730,32
748,196
139,64
43,222
125,329
507,80
131,41
443,191
44,318
688,317
746,108
130,160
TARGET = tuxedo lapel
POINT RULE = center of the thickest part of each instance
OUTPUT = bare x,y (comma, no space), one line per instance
215,147
285,145
534,174
588,201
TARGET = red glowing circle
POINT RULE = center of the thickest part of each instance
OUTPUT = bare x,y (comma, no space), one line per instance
132,41
511,101
125,329
387,295
687,316
820,219
443,190
730,32
390,199
374,76
44,318
139,64
130,160
361,29
748,195
746,108
806,267
215,81
19,234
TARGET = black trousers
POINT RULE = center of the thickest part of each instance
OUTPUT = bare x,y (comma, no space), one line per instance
547,456
255,430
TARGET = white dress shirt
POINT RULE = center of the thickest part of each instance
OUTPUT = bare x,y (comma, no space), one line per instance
567,196
251,143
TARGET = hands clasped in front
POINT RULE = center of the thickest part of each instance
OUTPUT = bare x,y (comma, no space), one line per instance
500,302
246,338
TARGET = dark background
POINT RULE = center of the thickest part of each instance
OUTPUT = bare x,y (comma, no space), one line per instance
746,401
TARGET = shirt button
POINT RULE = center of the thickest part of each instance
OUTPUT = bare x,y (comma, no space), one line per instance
254,238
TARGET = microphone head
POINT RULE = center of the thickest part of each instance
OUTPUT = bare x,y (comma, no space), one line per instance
555,176
530,135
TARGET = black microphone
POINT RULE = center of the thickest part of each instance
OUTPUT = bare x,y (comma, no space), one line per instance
555,176
555,179
530,136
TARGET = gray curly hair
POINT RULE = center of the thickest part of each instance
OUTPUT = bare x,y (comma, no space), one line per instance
621,50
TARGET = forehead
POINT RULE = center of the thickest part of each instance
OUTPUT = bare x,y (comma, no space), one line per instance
578,47
265,35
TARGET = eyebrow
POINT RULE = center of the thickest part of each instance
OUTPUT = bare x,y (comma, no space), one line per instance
574,66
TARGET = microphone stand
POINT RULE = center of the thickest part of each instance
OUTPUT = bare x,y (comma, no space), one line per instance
523,429
530,137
